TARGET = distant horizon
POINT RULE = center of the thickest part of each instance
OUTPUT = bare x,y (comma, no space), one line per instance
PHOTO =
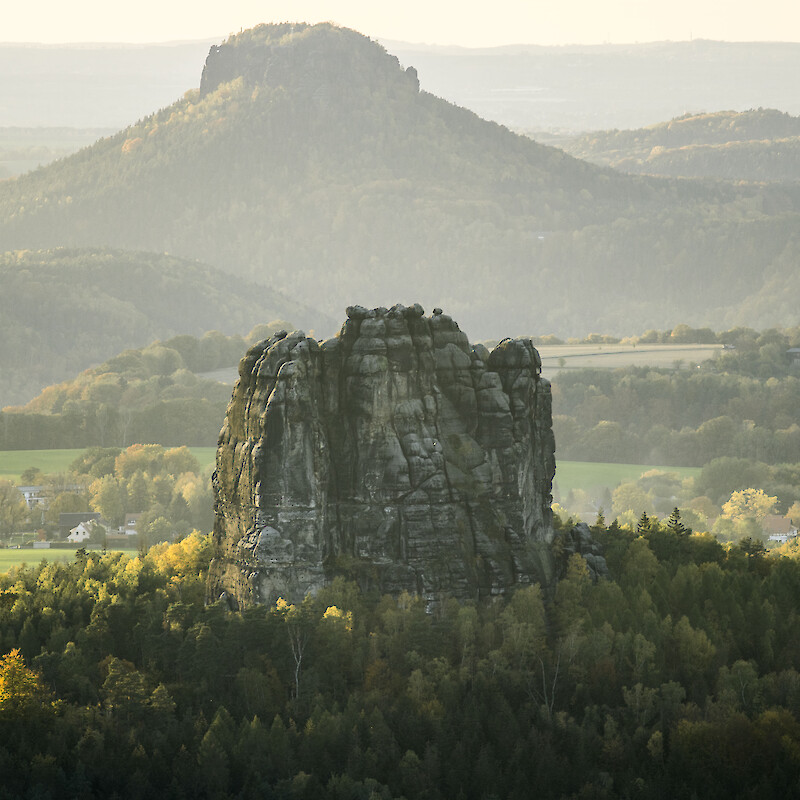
392,40
443,23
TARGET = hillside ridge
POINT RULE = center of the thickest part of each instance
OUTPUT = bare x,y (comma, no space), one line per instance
311,163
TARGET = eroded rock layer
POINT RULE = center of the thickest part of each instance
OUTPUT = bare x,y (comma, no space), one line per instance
396,454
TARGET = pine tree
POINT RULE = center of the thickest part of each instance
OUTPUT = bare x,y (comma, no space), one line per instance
675,525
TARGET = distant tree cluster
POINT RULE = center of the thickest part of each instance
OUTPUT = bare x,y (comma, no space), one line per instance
166,488
149,395
743,404
64,310
731,498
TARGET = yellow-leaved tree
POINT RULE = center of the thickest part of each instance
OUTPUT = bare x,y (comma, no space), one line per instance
21,688
749,503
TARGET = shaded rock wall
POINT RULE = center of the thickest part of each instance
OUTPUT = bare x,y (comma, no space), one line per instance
396,454
578,539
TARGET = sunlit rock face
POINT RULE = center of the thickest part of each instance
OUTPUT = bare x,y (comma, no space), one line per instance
396,454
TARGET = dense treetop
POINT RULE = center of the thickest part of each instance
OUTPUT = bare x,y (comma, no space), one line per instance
677,678
164,393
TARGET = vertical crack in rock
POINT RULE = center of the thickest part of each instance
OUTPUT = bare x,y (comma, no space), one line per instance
396,454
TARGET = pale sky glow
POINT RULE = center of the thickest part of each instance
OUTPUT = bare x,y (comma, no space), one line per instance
434,22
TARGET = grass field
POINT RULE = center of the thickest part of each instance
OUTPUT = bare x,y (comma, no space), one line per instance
556,358
14,462
13,558
591,476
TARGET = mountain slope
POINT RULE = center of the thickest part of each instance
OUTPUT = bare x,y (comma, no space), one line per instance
64,310
163,393
756,145
310,161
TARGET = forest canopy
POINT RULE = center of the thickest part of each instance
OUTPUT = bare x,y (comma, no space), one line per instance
652,683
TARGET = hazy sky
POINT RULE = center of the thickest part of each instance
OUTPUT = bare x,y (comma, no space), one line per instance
432,21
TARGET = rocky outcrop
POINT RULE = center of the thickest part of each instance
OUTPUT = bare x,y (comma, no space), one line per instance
578,539
313,60
396,453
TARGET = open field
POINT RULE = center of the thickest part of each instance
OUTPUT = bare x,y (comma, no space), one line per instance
556,358
205,455
591,476
13,462
13,558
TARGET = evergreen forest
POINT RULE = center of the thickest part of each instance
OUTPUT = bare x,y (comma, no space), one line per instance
675,678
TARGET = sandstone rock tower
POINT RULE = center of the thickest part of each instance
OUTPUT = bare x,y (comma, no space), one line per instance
396,454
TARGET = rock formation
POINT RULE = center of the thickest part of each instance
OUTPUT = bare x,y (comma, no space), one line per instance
396,454
578,539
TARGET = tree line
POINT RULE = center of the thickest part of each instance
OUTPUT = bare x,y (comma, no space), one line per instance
677,677
153,394
742,404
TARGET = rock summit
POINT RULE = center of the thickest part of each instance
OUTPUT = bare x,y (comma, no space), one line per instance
395,454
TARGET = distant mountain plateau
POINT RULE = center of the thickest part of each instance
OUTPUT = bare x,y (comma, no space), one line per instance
311,164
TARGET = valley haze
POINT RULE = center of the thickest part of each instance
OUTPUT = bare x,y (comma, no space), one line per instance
312,161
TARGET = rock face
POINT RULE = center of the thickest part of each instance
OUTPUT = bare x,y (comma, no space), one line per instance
578,539
396,454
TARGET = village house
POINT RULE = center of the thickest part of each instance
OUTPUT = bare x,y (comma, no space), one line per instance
129,526
779,529
66,522
35,496
82,532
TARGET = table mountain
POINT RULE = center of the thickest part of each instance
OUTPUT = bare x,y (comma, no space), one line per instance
309,161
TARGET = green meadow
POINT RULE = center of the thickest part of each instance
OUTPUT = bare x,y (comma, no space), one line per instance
14,462
11,557
14,558
591,476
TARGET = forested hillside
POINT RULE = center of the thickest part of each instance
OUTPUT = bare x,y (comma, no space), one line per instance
756,145
154,394
64,310
309,161
676,678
